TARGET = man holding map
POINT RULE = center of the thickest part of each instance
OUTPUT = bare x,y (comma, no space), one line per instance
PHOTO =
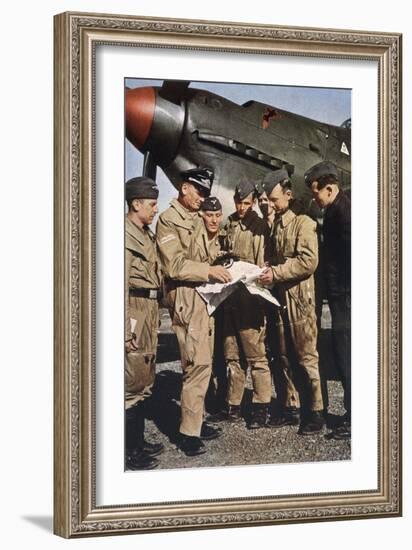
244,317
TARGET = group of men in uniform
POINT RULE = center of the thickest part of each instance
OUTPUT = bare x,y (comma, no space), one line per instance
183,255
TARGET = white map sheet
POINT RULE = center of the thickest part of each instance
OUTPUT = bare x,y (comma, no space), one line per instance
242,273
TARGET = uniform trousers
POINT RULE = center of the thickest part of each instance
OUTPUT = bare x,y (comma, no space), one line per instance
340,310
194,330
244,346
298,359
140,365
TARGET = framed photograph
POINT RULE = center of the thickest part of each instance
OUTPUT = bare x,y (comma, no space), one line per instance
227,111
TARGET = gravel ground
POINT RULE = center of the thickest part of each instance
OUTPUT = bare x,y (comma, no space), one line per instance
237,445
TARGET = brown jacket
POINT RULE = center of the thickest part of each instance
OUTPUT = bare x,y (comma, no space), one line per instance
295,258
142,269
186,254
246,238
178,239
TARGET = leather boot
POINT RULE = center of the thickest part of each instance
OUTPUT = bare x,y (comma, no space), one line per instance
136,457
259,416
232,415
313,424
290,416
208,432
191,445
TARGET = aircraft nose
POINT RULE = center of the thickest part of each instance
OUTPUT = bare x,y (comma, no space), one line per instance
140,109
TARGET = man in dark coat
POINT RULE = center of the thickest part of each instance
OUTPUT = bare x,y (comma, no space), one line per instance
323,181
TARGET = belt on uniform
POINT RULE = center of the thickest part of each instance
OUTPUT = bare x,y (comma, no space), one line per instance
152,293
172,284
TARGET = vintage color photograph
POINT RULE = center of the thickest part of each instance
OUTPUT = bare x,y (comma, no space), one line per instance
237,274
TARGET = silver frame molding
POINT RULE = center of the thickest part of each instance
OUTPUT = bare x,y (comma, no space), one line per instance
76,36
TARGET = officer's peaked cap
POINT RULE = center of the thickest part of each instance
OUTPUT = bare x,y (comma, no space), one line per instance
201,177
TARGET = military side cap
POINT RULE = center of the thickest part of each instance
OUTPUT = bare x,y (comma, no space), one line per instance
273,178
141,188
201,177
244,188
324,168
211,204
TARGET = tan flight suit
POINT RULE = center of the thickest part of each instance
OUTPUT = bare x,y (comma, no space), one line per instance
244,315
286,392
185,253
295,258
142,271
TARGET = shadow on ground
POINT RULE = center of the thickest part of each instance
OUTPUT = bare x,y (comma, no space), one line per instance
44,522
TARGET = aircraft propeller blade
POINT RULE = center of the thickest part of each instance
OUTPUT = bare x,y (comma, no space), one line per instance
172,90
149,166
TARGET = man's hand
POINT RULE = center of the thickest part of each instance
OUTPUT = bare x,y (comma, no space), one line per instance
131,345
267,277
218,273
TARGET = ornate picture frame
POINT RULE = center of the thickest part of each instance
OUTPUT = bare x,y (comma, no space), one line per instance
76,509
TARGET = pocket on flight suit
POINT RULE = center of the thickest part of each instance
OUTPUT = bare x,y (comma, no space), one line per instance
199,333
141,312
302,300
181,306
139,371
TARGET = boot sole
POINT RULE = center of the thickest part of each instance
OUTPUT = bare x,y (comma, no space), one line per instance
341,437
210,437
194,453
150,466
155,453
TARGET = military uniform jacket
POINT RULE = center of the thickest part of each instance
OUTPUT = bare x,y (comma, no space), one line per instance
246,238
295,258
186,254
337,246
177,232
142,266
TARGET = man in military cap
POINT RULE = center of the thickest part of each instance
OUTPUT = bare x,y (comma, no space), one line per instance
323,181
211,211
268,214
142,284
244,315
295,258
185,250
286,392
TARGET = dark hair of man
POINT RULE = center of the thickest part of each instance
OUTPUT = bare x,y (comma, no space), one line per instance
327,179
129,202
286,185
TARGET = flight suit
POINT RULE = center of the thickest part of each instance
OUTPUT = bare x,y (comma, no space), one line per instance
142,276
185,254
295,258
244,315
286,392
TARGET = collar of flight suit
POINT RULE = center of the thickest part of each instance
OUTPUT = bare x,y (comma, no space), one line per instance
246,222
136,233
286,217
183,212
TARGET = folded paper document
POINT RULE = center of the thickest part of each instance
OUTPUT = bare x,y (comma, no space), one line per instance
242,273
